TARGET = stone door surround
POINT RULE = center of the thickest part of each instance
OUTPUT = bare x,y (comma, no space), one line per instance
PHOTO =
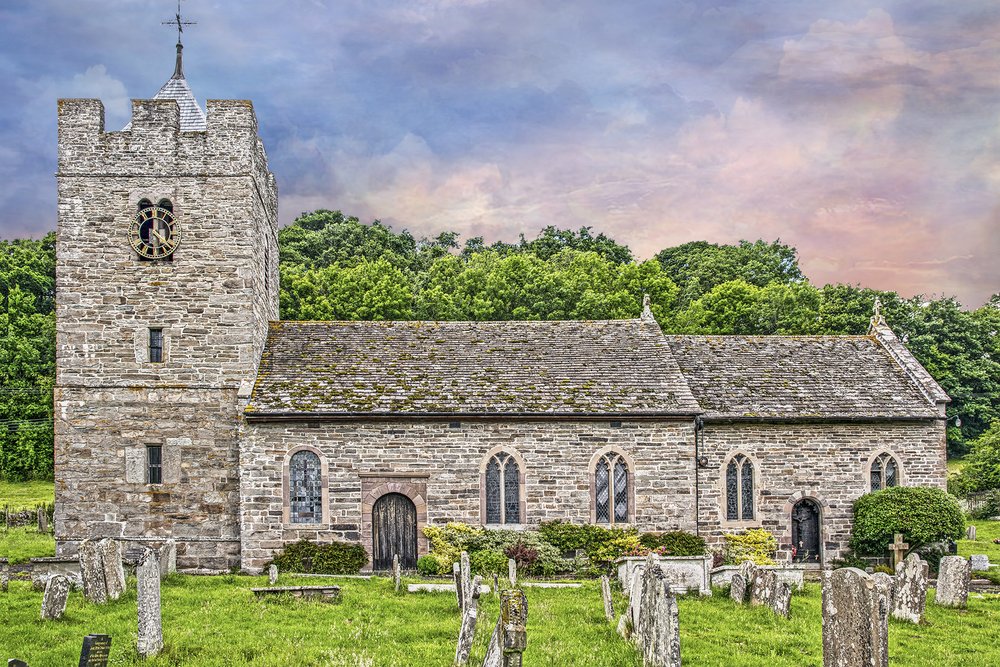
374,485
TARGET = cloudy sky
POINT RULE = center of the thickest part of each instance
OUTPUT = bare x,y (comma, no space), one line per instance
865,133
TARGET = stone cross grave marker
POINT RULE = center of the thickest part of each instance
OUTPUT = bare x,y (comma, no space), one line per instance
147,574
898,549
470,615
609,609
910,593
54,600
397,575
512,572
855,620
513,616
954,574
272,574
96,650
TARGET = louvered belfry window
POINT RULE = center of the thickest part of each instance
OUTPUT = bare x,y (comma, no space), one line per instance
503,489
611,489
884,472
305,488
739,489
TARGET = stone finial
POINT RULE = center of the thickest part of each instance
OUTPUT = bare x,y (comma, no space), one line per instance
878,319
647,310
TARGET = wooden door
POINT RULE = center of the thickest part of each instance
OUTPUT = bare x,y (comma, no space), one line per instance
806,531
394,531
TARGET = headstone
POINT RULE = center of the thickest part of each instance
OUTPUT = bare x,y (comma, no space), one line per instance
92,572
781,600
970,532
514,621
954,574
494,654
14,662
96,651
463,560
147,574
738,588
898,549
397,575
4,580
657,631
168,558
467,633
609,608
762,587
512,572
909,596
886,586
496,584
627,626
855,620
979,562
114,571
456,573
54,600
272,574
43,520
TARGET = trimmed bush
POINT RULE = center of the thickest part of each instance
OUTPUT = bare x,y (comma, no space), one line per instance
676,543
329,558
922,515
428,566
488,561
756,544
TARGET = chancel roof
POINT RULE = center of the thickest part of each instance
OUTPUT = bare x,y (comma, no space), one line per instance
611,367
801,377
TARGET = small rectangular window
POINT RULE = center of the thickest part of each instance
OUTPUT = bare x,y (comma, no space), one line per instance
154,464
156,346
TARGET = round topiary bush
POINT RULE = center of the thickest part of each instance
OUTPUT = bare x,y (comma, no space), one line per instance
922,515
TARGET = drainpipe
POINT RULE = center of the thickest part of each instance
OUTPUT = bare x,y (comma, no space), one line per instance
698,426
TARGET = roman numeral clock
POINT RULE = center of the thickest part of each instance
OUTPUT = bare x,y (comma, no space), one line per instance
153,233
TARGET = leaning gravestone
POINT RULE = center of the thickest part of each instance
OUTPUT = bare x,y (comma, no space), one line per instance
979,562
781,600
658,628
147,574
96,651
954,574
910,594
629,620
512,572
467,632
54,600
466,572
456,573
609,609
762,588
92,572
114,571
738,589
855,620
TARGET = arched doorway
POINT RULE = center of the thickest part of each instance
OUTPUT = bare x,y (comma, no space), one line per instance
806,542
394,531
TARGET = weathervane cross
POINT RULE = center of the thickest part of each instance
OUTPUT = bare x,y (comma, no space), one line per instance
176,21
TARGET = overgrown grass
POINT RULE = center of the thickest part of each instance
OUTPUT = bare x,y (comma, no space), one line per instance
19,544
26,495
216,621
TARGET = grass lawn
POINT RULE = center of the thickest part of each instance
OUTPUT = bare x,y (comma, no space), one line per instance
216,621
986,532
26,495
19,544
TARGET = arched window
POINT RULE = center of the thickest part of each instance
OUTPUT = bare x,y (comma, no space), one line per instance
611,489
144,204
503,489
305,490
739,489
165,203
884,472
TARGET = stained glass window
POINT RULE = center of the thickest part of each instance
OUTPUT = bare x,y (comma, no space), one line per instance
493,491
511,492
306,488
503,489
602,480
611,489
884,472
621,492
739,489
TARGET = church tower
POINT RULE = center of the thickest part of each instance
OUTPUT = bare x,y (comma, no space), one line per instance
166,278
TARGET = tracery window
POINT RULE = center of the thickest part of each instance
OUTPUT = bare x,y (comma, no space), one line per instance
503,489
884,472
305,491
739,489
611,489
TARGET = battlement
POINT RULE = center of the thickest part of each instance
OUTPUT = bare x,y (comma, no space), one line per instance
153,142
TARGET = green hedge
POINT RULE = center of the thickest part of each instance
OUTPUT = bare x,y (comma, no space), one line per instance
328,558
922,515
675,543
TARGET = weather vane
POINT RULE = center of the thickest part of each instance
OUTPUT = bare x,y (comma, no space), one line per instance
176,21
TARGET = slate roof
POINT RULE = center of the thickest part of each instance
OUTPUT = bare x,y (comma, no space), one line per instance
616,367
798,377
176,88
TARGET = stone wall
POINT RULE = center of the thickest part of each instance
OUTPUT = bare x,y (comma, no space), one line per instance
445,458
827,462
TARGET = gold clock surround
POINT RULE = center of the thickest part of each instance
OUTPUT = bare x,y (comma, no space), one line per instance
153,233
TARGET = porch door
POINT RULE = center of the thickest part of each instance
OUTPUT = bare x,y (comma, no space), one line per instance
806,531
394,531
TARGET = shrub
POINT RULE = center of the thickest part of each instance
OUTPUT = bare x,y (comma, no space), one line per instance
428,566
605,554
850,559
756,544
330,558
447,543
885,569
676,543
488,561
523,555
922,515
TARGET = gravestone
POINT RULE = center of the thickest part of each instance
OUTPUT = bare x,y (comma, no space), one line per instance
494,652
168,558
43,520
56,594
954,574
609,609
513,617
4,580
397,575
738,589
96,651
781,600
762,587
456,573
496,584
512,572
628,621
39,580
467,632
272,574
979,562
970,533
14,662
114,571
147,574
886,586
898,549
855,620
910,594
92,572
466,571
657,629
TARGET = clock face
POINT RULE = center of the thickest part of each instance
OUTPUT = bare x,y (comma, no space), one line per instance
153,233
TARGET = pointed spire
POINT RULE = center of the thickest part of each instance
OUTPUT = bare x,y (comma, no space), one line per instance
179,65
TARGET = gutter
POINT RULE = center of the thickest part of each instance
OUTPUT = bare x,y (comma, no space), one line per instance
730,419
477,416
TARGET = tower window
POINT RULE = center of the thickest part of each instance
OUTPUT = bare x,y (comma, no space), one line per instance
156,346
154,464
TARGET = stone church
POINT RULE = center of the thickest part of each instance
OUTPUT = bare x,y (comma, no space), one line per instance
185,408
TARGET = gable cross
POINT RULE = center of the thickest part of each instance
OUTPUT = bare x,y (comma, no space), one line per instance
898,549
